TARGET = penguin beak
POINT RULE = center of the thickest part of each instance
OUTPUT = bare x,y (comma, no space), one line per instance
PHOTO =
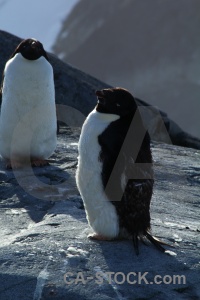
33,45
100,96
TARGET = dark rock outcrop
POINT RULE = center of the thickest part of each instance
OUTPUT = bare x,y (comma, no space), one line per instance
149,47
75,89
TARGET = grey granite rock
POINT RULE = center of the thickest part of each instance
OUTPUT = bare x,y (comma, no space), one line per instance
75,98
44,231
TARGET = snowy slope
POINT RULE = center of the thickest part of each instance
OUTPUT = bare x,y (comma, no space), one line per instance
41,19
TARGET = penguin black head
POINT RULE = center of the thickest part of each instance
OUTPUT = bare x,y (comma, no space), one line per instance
30,49
116,101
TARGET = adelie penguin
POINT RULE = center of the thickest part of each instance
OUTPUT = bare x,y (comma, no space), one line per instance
115,171
28,114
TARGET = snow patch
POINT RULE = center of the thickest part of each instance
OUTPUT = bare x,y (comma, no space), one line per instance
73,251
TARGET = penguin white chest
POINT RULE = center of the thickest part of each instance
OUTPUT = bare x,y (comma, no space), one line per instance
28,115
101,214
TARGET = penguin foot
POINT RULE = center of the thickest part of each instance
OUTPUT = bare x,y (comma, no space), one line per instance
16,164
13,165
99,237
39,163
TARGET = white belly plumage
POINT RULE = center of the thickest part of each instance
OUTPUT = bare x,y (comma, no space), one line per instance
100,212
28,115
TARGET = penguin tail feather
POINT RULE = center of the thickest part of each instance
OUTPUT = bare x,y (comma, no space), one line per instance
157,242
135,243
154,240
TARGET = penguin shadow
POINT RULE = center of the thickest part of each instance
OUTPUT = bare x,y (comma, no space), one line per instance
149,274
38,189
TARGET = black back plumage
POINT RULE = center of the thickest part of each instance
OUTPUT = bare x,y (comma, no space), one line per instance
125,148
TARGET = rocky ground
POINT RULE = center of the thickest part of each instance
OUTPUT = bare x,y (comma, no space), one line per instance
44,234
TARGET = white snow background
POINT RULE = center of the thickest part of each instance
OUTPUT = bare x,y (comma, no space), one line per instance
40,19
